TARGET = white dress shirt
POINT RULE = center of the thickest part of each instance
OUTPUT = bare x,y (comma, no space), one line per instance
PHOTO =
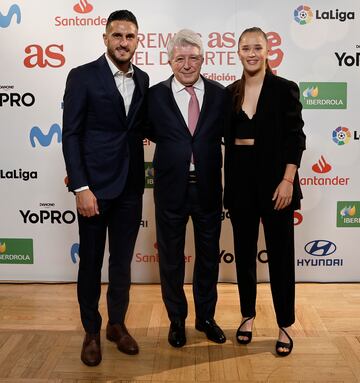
182,98
124,82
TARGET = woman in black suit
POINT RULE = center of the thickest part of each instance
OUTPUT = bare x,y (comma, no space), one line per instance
264,144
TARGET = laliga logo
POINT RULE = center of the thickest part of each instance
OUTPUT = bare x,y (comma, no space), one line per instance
321,166
83,7
341,135
303,14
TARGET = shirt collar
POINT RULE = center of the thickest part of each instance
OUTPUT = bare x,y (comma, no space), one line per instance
178,86
115,70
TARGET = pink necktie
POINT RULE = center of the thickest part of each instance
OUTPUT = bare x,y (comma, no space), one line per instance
194,109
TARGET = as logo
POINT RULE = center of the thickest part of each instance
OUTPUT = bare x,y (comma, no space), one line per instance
5,20
45,139
303,14
276,54
321,166
83,7
341,135
74,252
50,56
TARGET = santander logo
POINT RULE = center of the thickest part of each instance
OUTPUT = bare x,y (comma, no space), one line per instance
83,7
321,166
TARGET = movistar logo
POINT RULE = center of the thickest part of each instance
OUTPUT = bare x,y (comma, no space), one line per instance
45,139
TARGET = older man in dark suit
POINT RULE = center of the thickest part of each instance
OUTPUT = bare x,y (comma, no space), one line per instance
103,151
185,116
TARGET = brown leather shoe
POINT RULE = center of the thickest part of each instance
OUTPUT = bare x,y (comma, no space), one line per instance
119,334
91,350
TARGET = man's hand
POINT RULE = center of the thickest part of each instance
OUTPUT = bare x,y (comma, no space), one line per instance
86,203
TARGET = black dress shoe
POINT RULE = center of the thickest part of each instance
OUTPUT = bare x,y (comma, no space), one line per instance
211,329
177,337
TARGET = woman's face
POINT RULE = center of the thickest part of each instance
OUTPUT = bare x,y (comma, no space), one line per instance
253,52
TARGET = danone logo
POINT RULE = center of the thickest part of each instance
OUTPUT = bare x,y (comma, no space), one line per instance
149,175
323,95
19,250
348,214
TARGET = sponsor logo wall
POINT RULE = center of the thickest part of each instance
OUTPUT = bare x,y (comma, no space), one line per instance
315,44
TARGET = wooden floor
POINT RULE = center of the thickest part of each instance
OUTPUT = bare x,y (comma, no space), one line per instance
41,336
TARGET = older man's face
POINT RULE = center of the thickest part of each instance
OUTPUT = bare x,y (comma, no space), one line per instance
186,64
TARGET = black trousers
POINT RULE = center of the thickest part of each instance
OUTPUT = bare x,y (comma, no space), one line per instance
171,229
279,238
121,218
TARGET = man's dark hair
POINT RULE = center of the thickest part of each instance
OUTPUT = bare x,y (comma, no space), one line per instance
123,14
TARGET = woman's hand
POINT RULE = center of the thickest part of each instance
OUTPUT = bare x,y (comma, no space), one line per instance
283,194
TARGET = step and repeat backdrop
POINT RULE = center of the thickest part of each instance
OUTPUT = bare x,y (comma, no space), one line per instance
315,44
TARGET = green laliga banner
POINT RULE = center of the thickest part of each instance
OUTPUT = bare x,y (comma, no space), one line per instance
323,95
348,214
16,250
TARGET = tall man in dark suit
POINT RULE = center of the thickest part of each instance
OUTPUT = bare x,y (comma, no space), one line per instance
185,116
104,157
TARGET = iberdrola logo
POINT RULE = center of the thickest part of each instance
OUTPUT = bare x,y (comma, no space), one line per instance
2,247
348,211
303,14
311,92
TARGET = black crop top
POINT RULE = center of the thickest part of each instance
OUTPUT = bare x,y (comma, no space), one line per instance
244,126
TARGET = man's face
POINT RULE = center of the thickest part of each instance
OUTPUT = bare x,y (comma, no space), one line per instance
186,64
121,40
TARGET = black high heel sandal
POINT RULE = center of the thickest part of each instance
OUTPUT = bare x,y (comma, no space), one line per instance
248,334
289,345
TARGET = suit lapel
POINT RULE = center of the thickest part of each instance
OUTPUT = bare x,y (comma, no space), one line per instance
173,104
265,95
108,81
137,97
206,105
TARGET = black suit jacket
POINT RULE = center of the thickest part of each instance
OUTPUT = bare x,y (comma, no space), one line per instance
102,146
279,139
174,145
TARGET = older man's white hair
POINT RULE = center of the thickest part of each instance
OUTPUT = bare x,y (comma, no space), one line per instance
182,38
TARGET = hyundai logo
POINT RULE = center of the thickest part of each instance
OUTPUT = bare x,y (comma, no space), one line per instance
320,248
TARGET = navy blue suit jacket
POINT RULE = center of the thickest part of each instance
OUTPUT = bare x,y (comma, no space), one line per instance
174,145
101,145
